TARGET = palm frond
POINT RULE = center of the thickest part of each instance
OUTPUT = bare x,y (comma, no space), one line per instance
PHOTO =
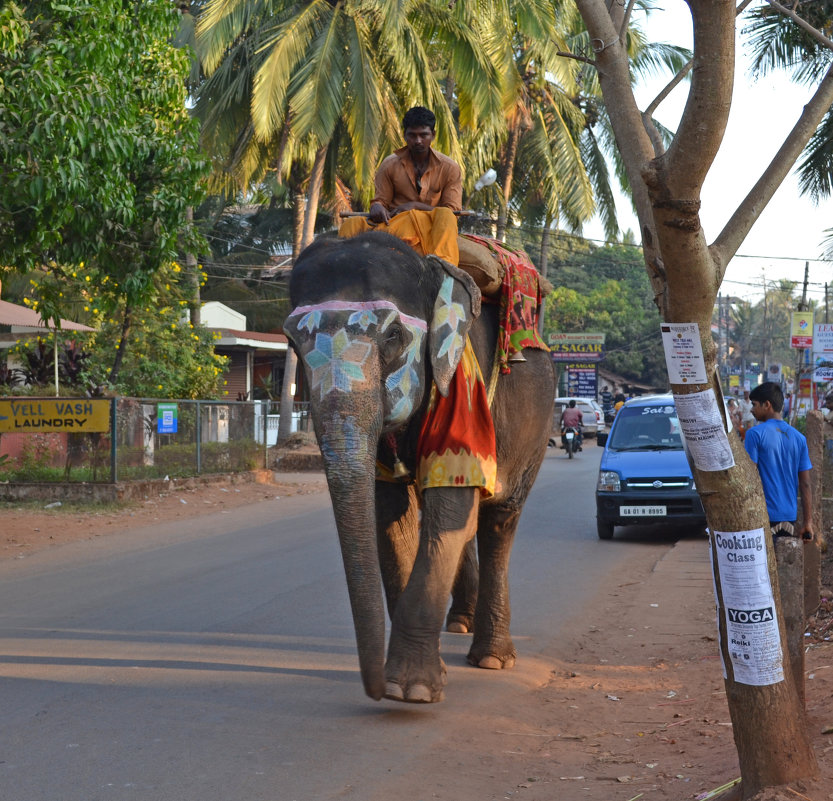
317,88
363,121
286,46
815,172
223,22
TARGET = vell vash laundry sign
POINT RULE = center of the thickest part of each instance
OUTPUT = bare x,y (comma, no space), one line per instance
28,415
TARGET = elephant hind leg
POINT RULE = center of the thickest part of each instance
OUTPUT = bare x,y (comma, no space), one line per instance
460,617
492,647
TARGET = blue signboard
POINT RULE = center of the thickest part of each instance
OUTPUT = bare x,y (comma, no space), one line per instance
581,379
166,418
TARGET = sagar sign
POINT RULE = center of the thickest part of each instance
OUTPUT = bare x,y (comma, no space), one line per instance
577,347
35,415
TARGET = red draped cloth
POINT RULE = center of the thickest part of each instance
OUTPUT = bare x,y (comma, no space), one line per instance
520,300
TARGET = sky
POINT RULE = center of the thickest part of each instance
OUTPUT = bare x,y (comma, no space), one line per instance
790,230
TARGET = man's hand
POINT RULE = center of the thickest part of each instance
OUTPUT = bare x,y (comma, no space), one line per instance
808,535
378,214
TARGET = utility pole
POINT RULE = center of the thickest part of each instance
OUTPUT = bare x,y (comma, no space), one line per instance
802,306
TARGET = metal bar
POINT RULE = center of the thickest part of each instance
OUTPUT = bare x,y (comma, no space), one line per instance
462,213
113,449
265,413
198,428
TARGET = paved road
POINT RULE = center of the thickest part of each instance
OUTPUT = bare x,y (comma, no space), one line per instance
215,660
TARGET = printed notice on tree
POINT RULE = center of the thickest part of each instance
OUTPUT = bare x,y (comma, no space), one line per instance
749,608
683,353
702,425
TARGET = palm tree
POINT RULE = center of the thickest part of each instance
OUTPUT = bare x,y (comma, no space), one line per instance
313,66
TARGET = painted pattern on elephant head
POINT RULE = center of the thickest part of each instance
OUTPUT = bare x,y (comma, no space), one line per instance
342,336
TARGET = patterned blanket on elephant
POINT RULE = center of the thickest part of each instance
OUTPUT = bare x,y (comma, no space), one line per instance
520,299
457,440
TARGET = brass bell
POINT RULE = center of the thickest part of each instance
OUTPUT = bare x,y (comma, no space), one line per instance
517,356
399,469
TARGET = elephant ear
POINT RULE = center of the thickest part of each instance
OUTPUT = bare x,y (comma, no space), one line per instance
456,307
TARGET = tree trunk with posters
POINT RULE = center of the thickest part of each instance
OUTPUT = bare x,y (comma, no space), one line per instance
685,271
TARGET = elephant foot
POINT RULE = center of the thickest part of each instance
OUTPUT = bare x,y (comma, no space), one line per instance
416,690
493,663
458,624
491,658
417,694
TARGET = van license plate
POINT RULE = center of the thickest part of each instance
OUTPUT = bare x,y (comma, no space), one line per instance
643,511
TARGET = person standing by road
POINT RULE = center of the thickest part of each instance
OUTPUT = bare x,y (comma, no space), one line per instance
746,416
783,461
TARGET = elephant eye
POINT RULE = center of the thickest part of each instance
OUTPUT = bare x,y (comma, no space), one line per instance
392,343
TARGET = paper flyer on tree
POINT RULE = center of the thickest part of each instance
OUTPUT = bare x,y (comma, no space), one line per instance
702,425
749,608
683,353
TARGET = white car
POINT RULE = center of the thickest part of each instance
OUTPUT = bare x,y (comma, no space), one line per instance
592,416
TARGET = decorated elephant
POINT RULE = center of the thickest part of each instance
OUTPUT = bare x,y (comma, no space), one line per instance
375,325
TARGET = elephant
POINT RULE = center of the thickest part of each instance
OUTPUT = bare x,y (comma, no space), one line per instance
366,325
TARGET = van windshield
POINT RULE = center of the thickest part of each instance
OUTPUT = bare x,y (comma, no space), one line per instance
646,428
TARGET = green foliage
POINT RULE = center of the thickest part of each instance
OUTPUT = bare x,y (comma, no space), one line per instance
760,332
607,290
98,155
168,357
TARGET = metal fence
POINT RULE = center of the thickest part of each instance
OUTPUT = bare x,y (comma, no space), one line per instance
118,439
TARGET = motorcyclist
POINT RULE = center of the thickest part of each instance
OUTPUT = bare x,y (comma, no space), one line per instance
572,417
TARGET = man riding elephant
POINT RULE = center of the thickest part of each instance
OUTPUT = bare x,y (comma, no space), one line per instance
417,192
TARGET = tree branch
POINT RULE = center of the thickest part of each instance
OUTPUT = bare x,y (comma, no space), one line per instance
748,212
623,29
814,32
566,54
695,145
672,84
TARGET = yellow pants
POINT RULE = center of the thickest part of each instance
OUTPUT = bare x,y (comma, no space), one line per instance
426,232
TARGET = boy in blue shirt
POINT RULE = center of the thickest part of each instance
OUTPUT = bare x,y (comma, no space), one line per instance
783,461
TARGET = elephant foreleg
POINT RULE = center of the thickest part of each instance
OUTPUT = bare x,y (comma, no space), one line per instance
460,618
397,526
414,670
492,647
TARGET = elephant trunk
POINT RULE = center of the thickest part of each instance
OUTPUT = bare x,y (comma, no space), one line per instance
348,443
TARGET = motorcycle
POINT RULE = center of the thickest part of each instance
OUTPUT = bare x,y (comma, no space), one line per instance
571,440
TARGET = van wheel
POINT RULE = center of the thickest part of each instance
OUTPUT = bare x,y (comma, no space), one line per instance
604,529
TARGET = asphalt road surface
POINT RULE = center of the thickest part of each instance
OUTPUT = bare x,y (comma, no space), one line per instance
215,660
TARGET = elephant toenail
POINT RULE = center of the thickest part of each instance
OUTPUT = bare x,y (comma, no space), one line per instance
490,663
393,691
420,694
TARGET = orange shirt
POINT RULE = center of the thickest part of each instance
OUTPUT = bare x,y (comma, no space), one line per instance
441,183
